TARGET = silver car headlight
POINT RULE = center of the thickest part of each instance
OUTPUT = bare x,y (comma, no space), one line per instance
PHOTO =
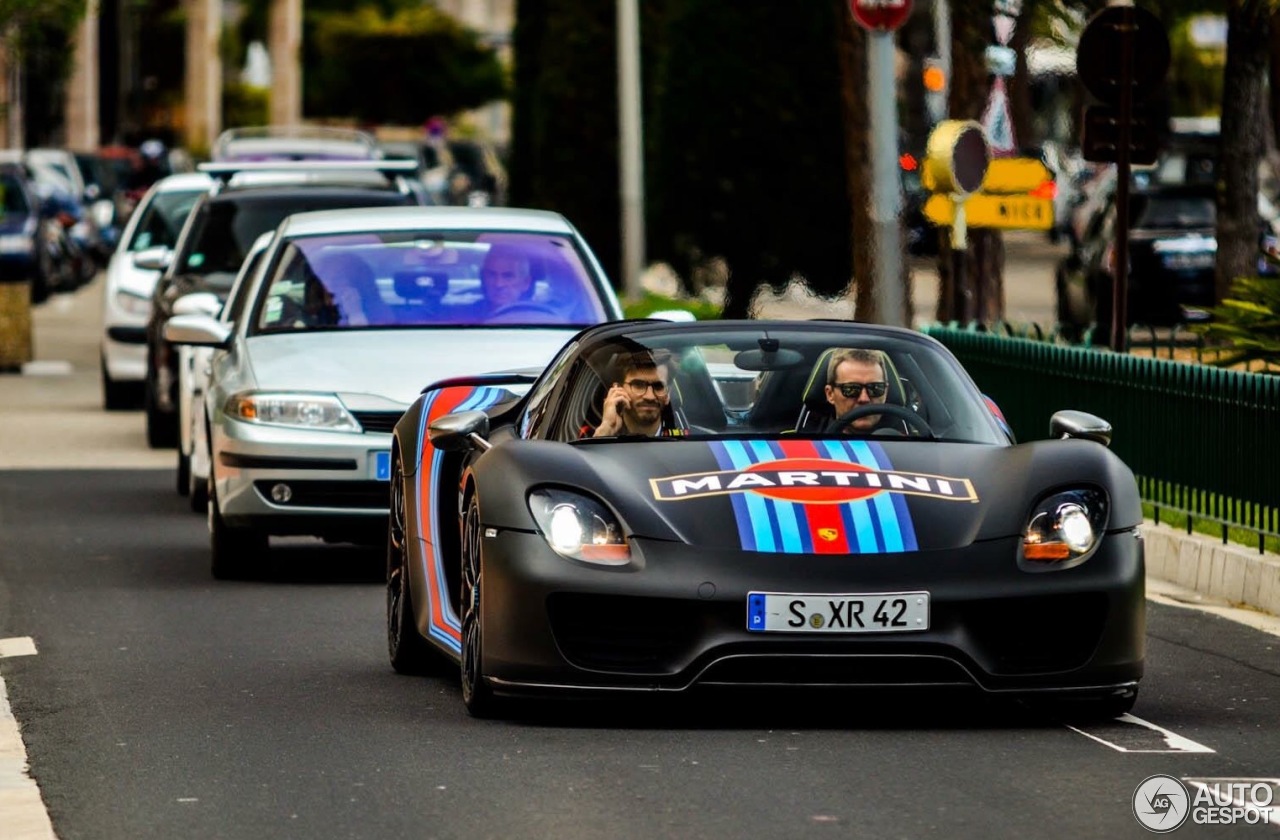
133,303
1064,529
324,412
579,527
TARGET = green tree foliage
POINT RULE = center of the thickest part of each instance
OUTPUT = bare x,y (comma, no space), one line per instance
751,162
564,154
38,31
400,68
1248,322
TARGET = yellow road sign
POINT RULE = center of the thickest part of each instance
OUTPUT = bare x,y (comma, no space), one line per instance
1011,212
1012,176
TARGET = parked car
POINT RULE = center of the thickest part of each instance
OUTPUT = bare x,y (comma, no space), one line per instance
145,245
758,547
248,200
24,246
293,143
352,313
1172,253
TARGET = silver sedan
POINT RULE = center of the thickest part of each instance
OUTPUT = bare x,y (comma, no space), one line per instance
349,315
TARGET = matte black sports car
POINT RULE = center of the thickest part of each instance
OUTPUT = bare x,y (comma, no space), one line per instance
758,539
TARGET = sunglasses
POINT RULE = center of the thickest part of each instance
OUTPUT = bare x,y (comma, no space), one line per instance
852,390
638,387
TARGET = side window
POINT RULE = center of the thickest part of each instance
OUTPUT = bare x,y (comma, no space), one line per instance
293,286
536,414
236,308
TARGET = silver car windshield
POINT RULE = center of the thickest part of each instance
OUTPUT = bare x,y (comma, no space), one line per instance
425,279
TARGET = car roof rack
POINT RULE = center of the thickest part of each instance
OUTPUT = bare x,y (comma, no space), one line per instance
394,171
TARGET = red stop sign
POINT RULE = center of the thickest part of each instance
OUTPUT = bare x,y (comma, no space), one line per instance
880,15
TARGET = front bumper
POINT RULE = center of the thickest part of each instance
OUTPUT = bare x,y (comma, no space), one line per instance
337,481
676,618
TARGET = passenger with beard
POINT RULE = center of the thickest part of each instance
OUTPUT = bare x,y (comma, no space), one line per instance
638,401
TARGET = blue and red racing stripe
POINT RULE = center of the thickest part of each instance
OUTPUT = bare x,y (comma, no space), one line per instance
880,524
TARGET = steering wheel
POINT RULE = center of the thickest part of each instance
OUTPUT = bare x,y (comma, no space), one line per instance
903,413
521,307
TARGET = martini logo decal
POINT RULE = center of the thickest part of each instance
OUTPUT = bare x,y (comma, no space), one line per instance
811,481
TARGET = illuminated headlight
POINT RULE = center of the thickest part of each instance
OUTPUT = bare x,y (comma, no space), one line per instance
1064,528
307,411
15,243
579,527
132,303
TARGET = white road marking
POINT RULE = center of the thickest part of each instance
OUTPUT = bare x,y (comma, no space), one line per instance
1122,728
17,646
47,367
22,811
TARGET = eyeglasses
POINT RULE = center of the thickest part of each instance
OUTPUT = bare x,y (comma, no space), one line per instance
852,390
638,387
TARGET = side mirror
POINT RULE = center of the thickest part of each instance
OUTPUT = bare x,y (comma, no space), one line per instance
1079,424
197,330
460,431
153,259
198,303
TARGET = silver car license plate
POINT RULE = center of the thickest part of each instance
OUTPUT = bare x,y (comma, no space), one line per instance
876,612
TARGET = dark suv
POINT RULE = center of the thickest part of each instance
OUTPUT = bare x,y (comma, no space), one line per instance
220,230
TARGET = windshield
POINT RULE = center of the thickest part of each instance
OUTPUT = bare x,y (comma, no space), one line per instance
1173,211
14,199
224,232
163,218
745,382
427,279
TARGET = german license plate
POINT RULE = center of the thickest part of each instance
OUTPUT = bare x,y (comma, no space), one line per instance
878,612
382,466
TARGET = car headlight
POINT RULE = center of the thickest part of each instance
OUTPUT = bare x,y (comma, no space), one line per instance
307,411
133,303
1064,529
579,527
16,243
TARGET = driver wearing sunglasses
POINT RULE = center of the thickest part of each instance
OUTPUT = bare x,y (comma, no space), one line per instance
637,401
856,377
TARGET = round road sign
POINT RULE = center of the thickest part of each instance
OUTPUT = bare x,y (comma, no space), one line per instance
880,15
956,157
1098,57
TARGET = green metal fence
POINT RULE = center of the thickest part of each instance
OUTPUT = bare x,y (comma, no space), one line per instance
1200,439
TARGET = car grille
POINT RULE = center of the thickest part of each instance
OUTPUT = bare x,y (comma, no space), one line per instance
621,634
377,421
1047,634
356,495
836,670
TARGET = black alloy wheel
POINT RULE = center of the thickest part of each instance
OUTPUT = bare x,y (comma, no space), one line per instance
477,696
409,652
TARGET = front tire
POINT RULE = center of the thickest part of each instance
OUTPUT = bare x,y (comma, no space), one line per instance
162,428
234,550
409,652
477,695
183,483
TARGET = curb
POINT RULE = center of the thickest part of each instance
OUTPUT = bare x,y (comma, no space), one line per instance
1231,573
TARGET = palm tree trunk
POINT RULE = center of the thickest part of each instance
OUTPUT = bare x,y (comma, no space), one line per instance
1248,39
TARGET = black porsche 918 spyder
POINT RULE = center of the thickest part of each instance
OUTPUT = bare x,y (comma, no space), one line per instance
760,540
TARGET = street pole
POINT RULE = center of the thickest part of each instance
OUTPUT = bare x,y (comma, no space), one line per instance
630,136
886,193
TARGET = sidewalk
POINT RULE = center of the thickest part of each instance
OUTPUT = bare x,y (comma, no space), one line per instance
52,413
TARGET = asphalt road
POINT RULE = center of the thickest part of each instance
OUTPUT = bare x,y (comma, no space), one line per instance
164,704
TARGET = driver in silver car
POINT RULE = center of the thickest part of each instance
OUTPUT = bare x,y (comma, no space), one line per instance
505,278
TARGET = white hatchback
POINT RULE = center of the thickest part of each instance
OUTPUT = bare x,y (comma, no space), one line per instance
145,245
